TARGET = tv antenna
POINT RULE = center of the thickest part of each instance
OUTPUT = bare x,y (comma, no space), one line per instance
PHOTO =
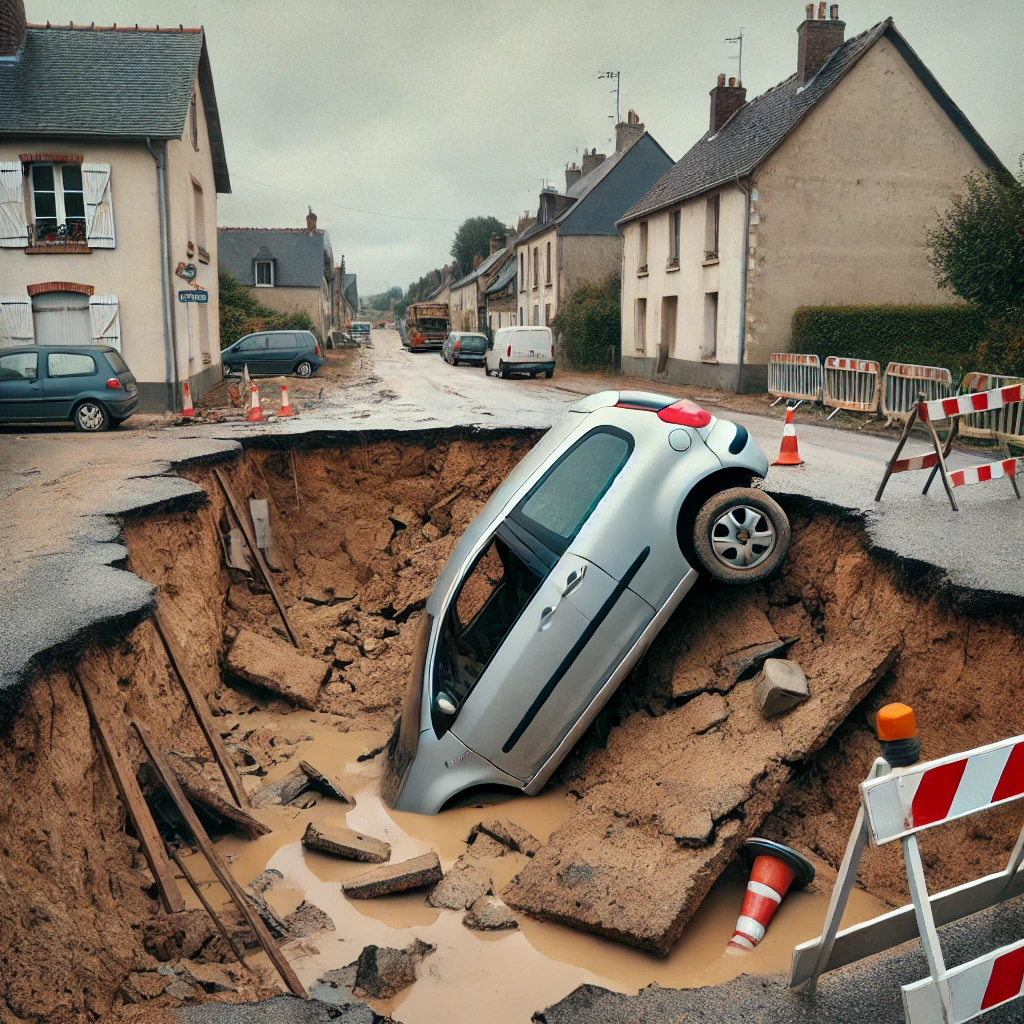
615,75
738,56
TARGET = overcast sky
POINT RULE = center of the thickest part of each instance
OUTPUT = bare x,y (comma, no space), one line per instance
396,119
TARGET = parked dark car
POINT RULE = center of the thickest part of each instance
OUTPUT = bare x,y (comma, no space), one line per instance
90,385
272,352
464,347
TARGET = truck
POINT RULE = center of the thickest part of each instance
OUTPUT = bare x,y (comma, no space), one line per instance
426,326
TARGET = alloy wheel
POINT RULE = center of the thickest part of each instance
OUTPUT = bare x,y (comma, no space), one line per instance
743,537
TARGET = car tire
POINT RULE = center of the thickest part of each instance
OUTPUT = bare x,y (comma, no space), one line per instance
741,535
533,376
91,417
549,374
503,371
455,362
304,369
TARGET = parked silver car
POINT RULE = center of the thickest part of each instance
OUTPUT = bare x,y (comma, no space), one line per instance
561,583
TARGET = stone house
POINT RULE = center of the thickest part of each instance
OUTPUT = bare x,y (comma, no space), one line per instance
291,270
574,239
344,298
108,197
467,308
819,191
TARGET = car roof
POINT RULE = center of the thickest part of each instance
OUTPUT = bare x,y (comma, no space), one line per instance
289,330
56,348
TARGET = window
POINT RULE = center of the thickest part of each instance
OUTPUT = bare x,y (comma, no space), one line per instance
193,123
641,264
673,252
199,215
536,316
547,279
522,274
547,312
118,365
536,274
70,364
710,326
58,203
264,273
254,343
521,320
712,214
557,507
19,366
640,327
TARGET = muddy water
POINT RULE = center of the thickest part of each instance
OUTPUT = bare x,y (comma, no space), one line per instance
482,970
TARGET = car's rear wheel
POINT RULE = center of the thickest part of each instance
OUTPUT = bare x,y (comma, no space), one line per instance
455,362
504,371
90,416
549,374
741,535
304,369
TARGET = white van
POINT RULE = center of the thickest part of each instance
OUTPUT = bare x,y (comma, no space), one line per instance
521,350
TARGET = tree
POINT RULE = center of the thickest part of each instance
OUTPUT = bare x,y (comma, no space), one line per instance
474,239
977,249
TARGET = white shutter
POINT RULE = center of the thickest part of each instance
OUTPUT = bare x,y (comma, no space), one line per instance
99,211
16,321
106,320
13,224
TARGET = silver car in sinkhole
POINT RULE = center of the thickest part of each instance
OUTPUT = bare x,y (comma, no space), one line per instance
561,583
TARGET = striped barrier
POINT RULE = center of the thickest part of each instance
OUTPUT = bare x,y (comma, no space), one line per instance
796,376
1003,424
905,382
955,407
851,384
896,804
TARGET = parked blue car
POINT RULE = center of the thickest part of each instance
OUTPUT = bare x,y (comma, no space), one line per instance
90,385
272,352
464,347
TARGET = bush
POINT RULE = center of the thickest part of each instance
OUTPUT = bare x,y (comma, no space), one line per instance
959,337
241,314
590,323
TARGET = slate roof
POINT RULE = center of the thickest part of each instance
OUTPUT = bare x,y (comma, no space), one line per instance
761,125
505,277
299,256
487,265
348,286
109,83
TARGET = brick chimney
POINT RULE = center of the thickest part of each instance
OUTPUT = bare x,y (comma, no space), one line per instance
591,160
628,132
725,101
477,260
12,27
527,220
572,175
310,217
817,39
497,243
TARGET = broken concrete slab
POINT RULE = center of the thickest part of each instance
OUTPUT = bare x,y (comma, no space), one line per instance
489,914
266,880
780,686
512,836
383,971
234,554
463,884
291,786
345,842
390,878
277,666
210,977
322,784
260,512
307,919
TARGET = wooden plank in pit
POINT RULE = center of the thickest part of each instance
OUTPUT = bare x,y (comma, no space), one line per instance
138,810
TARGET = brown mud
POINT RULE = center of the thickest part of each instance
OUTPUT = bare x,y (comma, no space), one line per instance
81,930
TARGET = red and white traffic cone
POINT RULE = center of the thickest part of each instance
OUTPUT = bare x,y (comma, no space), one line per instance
255,409
188,411
286,408
776,870
789,453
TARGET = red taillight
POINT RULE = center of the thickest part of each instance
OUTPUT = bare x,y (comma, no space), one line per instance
685,413
552,350
508,354
316,348
458,345
114,384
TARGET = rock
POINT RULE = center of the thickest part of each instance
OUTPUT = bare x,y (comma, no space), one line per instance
344,842
307,919
208,976
181,990
284,791
430,532
148,984
383,971
463,884
781,685
322,784
484,847
489,914
277,666
265,880
508,833
389,878
402,517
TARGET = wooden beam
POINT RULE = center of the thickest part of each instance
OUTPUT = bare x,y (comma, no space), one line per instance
277,958
250,539
202,712
137,808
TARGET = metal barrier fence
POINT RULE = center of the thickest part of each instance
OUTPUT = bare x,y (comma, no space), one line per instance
904,384
792,375
851,384
1006,423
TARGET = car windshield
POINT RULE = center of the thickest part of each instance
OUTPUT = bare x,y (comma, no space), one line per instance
473,343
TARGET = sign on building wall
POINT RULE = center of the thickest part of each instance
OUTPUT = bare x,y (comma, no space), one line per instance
194,295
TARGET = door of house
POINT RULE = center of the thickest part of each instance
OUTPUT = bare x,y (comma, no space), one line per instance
62,318
669,305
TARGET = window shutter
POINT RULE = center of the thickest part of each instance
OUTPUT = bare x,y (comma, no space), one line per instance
99,211
13,223
106,320
16,320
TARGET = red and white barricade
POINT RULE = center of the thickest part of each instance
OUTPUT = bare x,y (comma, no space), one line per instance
952,408
896,804
1003,424
850,384
794,375
904,383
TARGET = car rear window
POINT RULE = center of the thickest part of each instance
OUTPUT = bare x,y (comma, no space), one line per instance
561,503
115,360
70,364
474,343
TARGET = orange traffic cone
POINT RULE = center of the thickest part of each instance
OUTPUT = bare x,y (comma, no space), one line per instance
776,870
789,453
188,411
255,409
286,408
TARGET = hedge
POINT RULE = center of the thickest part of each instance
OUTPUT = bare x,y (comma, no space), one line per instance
958,337
241,314
590,323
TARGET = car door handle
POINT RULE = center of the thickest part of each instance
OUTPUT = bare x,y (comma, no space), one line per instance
546,617
574,579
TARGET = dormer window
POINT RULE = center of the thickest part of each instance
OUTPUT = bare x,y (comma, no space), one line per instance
264,273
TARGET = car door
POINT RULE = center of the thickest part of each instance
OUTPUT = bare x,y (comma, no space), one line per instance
69,376
574,629
21,387
251,352
283,352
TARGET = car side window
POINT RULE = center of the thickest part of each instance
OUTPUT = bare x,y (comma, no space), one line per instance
19,366
561,502
70,364
257,343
